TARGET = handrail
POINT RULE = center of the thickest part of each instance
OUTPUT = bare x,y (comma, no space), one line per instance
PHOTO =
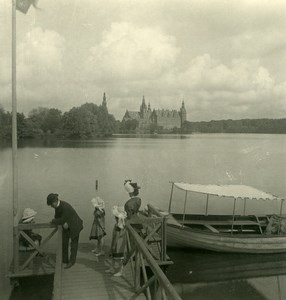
23,226
19,230
160,276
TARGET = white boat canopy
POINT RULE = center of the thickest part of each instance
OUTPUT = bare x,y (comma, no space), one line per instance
235,191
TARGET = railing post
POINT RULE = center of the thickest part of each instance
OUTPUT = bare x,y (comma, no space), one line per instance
57,293
140,245
137,270
16,248
145,276
164,240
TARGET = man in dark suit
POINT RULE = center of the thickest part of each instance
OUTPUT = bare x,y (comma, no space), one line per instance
66,216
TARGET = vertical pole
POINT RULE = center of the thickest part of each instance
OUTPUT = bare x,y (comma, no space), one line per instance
16,249
244,207
145,276
14,117
207,204
137,270
164,240
185,207
281,208
14,143
171,196
233,215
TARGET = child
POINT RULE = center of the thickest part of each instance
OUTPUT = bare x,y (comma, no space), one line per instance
98,227
28,218
118,244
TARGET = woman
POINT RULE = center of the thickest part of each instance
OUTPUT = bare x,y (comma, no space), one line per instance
118,244
132,205
98,227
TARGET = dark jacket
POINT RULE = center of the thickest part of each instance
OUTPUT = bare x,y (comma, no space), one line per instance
132,207
65,213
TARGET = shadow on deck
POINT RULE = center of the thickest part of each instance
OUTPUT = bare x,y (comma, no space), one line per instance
87,279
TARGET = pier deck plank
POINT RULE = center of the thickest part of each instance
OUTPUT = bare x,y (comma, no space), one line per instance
87,279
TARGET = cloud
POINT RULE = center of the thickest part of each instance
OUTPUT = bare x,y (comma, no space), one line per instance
40,56
224,58
127,52
40,69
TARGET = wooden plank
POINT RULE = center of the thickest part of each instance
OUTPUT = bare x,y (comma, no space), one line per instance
211,228
36,226
87,279
226,222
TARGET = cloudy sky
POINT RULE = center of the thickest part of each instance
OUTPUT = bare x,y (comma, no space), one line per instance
225,59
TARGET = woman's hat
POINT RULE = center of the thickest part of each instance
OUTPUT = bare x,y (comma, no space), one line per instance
130,187
28,215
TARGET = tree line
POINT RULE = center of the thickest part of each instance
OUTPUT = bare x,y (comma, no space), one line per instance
90,120
236,126
85,121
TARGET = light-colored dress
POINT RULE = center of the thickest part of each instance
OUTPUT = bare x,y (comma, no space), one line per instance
118,243
98,225
119,238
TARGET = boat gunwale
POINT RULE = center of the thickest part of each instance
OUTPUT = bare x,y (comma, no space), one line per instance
222,234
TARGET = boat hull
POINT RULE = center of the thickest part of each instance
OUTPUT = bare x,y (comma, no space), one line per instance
183,236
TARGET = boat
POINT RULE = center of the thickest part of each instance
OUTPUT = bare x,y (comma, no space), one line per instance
236,232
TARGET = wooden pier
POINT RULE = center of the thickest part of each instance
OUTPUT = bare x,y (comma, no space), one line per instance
88,280
143,276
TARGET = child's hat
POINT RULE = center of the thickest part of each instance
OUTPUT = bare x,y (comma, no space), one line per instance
95,201
28,215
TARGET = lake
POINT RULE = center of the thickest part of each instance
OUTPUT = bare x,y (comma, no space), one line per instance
71,168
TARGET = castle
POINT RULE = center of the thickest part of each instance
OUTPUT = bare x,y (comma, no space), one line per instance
157,118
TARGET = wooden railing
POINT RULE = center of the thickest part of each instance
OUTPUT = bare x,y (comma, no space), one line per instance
23,261
143,255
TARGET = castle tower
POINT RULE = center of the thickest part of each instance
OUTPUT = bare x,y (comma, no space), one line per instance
143,107
183,114
104,103
149,107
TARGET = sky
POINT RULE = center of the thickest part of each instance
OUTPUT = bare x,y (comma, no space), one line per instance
224,59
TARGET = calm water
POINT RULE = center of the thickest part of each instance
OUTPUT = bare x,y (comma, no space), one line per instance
71,168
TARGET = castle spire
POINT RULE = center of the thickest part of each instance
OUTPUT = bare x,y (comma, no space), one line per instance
183,113
104,103
143,107
149,107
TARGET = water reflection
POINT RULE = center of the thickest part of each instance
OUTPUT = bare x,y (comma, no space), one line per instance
202,274
52,142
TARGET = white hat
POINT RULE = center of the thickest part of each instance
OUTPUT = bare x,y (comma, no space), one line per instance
28,215
119,212
96,201
128,187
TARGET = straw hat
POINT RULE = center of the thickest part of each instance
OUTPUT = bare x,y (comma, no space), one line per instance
28,215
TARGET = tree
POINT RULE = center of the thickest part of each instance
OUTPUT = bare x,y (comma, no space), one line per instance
80,122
